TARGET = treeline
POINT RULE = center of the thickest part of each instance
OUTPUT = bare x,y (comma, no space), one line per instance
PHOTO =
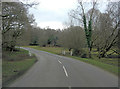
72,37
97,30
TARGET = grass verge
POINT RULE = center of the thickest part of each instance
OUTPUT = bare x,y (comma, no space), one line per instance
104,63
107,67
55,50
13,67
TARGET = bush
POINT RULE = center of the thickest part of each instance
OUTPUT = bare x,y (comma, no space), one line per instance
76,52
81,53
84,55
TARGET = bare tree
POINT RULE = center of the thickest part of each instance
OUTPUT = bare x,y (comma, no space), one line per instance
107,29
14,21
72,38
87,23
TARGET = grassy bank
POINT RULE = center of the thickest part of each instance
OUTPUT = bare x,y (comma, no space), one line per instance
15,64
108,64
55,50
110,68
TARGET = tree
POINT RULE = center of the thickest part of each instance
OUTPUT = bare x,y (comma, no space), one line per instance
87,25
14,21
107,31
72,38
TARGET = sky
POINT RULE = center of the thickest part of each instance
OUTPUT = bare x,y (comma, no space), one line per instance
53,13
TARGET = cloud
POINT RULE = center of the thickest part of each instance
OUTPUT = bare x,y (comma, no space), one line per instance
51,24
56,4
50,12
55,12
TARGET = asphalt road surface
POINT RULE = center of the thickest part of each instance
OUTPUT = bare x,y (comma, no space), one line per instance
57,71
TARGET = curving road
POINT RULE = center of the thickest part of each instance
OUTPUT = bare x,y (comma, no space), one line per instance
57,71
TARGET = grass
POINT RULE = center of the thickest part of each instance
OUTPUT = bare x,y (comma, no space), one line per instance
15,56
55,50
110,68
108,64
13,68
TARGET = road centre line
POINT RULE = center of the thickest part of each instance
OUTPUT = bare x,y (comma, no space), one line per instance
63,68
60,62
65,71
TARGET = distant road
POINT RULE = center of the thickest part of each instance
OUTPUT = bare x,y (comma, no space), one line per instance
57,71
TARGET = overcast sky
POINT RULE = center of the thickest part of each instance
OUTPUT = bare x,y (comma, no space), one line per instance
53,13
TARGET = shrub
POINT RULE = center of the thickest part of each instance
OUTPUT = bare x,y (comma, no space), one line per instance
81,53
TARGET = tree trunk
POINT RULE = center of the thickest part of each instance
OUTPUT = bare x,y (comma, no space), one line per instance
102,54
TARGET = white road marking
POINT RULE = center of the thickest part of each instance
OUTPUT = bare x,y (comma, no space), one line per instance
63,68
59,62
65,71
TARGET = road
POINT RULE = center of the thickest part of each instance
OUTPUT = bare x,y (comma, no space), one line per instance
57,71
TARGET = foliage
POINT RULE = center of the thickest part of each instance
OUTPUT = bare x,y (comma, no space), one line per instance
80,53
14,21
106,30
96,30
80,14
101,29
72,37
